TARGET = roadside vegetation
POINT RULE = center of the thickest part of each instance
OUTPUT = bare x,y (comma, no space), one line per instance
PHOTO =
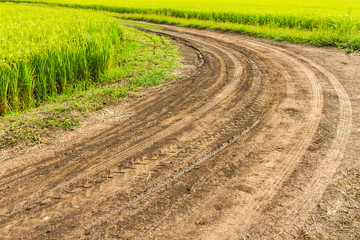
58,65
319,23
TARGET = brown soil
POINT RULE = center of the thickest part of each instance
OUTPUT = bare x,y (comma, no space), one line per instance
254,142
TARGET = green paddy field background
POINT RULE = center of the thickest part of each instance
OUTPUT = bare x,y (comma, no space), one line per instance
319,23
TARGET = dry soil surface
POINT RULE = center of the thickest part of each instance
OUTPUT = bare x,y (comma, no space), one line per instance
248,144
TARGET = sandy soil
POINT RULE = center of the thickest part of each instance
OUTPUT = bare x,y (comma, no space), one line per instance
253,142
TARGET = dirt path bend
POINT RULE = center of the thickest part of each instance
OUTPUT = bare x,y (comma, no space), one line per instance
244,145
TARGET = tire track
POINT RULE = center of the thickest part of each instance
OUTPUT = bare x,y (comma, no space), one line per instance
220,97
269,103
334,156
295,154
330,163
174,177
118,209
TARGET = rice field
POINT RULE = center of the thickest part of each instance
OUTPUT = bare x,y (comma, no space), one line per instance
321,23
46,51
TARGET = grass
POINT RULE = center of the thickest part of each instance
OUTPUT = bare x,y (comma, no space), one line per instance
146,60
320,23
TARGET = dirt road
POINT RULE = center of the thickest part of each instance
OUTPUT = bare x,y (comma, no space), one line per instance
244,145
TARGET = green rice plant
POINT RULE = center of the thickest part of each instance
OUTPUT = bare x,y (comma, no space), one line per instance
46,51
5,73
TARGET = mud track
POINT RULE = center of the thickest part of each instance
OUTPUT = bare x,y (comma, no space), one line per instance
246,142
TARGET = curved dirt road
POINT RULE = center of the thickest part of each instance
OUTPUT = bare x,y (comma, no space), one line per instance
245,144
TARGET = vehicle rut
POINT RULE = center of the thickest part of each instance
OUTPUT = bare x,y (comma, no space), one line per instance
208,156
